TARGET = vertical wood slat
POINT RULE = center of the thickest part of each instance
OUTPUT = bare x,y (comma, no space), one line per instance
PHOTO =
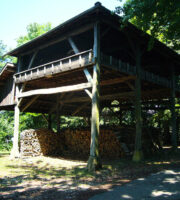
80,60
70,63
44,70
52,68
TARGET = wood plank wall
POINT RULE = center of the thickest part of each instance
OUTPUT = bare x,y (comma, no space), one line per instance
7,93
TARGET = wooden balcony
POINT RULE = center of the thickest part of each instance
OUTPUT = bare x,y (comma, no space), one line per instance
84,59
119,66
76,61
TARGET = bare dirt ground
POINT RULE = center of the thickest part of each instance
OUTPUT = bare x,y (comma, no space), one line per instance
56,178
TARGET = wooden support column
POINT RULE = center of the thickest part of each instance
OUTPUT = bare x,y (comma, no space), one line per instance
32,59
173,112
137,156
58,115
15,149
94,162
19,66
49,122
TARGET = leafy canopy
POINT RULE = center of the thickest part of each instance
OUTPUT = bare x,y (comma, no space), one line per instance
2,52
160,18
33,30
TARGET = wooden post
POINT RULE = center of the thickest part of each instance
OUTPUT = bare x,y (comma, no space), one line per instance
19,66
58,115
49,122
15,149
32,59
94,162
173,112
137,156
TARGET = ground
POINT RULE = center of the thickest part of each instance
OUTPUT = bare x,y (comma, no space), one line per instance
57,178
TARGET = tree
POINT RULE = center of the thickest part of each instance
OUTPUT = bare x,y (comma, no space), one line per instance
2,52
160,18
33,30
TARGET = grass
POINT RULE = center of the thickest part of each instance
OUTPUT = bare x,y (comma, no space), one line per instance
59,173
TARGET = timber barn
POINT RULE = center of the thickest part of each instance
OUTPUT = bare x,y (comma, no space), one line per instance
82,66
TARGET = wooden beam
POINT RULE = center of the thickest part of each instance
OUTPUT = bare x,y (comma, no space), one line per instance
73,45
76,51
94,158
88,75
56,90
21,90
45,118
32,59
30,103
88,93
80,108
117,80
130,85
116,96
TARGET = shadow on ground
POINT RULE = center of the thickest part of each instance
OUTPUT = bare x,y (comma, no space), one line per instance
37,181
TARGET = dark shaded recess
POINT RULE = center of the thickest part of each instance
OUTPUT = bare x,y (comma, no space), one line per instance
59,50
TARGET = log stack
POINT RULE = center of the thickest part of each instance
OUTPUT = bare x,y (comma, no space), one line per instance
113,144
78,143
40,142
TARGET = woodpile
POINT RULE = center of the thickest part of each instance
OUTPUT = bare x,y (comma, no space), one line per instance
78,143
40,142
113,144
74,143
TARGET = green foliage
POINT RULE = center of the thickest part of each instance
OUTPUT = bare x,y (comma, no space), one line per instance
72,122
33,30
5,59
2,52
27,120
6,130
31,120
160,18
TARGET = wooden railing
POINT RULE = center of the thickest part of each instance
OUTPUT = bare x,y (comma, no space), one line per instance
65,64
84,59
118,65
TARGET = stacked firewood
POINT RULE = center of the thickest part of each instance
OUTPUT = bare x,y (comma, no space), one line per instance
78,143
29,143
40,142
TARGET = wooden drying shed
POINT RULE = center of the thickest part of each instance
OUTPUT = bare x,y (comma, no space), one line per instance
82,65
